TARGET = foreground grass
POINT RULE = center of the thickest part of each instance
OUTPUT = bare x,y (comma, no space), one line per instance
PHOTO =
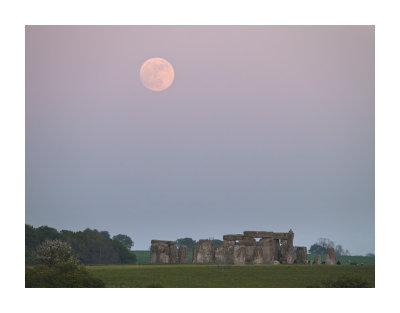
215,276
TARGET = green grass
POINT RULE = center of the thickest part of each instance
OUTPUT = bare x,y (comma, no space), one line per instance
143,257
245,276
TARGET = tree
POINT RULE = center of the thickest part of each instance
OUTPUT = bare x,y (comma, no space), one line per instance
216,242
31,242
90,246
339,250
370,254
317,249
47,233
53,252
323,243
125,255
105,234
188,242
125,240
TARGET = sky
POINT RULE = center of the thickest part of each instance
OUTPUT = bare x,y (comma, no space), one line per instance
264,128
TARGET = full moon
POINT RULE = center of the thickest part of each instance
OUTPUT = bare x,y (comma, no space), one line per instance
157,74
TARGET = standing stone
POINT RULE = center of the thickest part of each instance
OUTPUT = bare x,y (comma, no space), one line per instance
249,254
229,242
317,259
277,255
301,255
239,254
153,254
229,253
203,253
247,241
183,254
173,253
284,251
194,253
219,254
330,256
159,251
268,249
290,248
258,255
164,253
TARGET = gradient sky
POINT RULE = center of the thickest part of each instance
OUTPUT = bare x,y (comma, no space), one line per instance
264,128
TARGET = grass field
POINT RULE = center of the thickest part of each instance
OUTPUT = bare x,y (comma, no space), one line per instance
245,276
143,257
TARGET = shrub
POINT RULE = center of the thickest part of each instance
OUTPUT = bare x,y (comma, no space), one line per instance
64,275
53,252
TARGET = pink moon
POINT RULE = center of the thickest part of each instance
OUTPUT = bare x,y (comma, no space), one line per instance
157,74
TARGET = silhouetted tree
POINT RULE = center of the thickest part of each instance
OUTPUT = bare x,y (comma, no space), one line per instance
125,240
189,242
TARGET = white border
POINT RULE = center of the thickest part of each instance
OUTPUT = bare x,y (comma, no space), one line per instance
14,15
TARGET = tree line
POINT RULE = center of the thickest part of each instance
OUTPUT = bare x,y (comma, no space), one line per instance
190,243
322,244
91,246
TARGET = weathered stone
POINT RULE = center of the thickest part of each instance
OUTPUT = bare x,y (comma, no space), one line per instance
239,254
301,255
183,254
162,253
277,256
219,254
229,254
284,251
258,234
317,259
330,256
153,254
229,242
290,254
194,253
276,262
287,249
265,241
159,252
268,249
247,242
165,242
233,237
280,236
249,254
173,253
258,255
204,252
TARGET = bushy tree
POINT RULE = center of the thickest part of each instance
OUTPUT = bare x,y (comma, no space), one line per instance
105,234
322,244
125,240
47,233
188,242
216,242
53,252
317,249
